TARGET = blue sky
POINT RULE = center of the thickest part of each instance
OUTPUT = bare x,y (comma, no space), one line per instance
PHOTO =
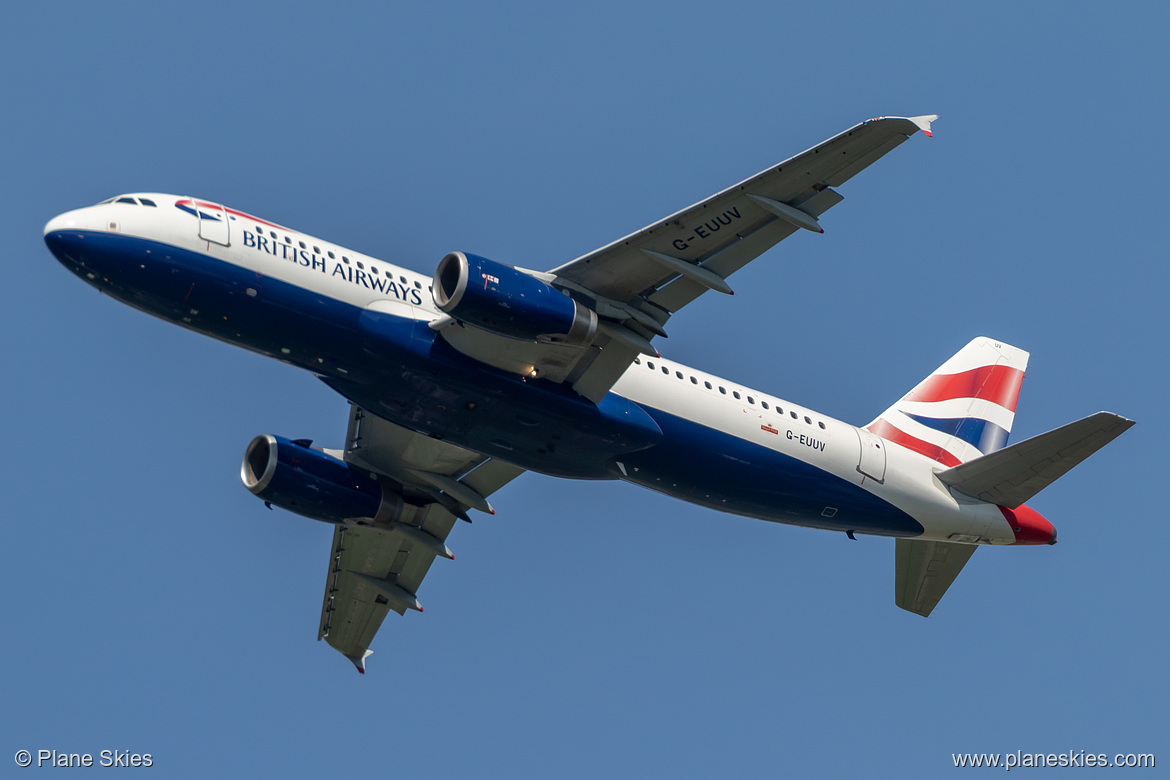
587,629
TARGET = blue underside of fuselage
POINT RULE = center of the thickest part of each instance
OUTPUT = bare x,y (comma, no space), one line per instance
714,468
401,370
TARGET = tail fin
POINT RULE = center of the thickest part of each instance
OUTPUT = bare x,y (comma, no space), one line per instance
964,409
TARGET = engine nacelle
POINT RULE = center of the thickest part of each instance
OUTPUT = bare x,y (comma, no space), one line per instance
296,477
503,300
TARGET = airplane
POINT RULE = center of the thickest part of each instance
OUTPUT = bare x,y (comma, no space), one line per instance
460,382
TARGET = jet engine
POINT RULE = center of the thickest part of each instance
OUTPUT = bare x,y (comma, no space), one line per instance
294,476
509,302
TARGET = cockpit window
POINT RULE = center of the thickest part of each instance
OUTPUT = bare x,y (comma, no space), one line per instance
131,201
147,202
107,200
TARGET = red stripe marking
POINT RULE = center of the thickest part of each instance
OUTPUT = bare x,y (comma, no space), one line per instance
997,384
932,451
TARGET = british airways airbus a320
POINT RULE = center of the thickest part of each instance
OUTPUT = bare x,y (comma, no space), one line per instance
460,382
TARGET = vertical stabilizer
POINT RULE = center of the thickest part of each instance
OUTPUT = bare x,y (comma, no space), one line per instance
964,409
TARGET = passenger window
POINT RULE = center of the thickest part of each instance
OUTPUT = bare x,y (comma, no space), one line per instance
822,425
302,243
651,365
345,259
637,361
373,270
707,385
751,400
402,279
735,393
764,404
287,240
678,374
417,285
694,381
723,390
794,417
361,266
666,370
331,257
807,421
317,250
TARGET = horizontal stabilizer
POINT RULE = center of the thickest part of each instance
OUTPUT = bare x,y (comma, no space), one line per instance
1011,476
924,570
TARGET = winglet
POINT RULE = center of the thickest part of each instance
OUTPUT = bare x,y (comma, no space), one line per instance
360,663
923,123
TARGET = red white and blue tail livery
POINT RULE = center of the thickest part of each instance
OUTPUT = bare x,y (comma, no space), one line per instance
461,381
964,409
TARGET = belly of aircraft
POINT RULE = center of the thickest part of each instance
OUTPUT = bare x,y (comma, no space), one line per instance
716,469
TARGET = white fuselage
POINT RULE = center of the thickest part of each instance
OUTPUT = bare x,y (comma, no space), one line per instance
897,476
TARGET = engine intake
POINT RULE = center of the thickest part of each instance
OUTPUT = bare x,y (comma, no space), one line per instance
503,300
294,476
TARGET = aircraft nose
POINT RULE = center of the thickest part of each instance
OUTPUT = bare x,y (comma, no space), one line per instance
70,220
63,235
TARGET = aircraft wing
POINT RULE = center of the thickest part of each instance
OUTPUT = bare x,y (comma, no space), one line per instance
374,569
639,281
636,283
